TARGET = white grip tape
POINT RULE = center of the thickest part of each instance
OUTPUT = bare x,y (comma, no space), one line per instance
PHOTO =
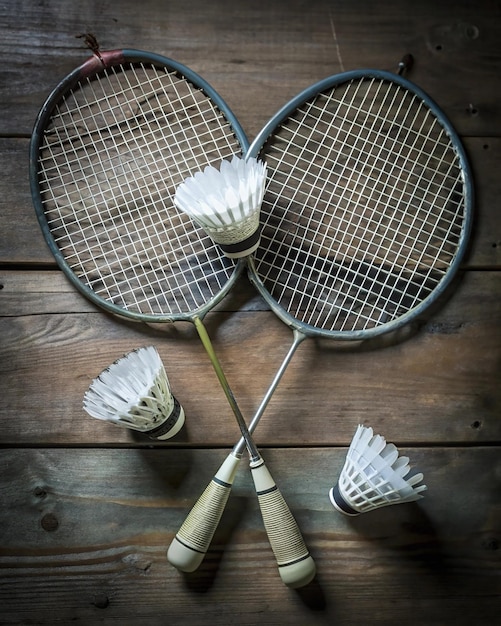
189,546
296,567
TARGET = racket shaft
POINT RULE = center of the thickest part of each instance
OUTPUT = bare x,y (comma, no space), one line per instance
298,338
191,543
295,565
209,348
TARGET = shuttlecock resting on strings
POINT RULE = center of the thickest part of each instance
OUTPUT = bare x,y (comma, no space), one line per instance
373,476
226,203
134,392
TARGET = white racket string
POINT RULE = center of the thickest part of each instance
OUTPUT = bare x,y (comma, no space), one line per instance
110,161
368,195
365,212
336,258
365,184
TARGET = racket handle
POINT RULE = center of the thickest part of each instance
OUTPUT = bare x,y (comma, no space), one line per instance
189,546
295,565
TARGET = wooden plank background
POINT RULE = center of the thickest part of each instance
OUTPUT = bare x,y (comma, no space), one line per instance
88,510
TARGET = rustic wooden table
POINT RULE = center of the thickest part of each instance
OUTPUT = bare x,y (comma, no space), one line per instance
87,510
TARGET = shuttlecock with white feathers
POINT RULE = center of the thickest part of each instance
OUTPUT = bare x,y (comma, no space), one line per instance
373,476
134,392
226,203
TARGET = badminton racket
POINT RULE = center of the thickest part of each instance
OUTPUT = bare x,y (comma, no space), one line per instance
110,145
367,210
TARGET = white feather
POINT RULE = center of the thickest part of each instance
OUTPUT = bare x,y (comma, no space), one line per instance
134,392
226,202
373,476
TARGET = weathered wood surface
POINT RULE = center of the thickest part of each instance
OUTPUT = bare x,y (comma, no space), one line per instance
85,535
87,510
437,381
258,55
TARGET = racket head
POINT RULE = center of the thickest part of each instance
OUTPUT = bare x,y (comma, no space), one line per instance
368,206
109,147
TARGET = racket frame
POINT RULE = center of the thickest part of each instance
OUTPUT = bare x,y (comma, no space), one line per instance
94,64
282,114
302,330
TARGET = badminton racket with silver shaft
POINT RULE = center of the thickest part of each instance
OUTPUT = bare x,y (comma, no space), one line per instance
367,210
110,145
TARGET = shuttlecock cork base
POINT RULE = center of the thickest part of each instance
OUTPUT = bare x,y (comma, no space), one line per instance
231,243
226,203
373,476
134,393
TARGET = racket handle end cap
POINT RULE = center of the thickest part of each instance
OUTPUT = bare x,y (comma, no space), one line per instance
298,574
183,558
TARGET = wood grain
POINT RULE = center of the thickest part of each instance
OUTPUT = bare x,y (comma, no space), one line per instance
22,242
85,535
439,376
87,510
259,55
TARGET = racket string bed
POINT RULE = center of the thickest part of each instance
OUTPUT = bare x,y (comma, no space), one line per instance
352,234
375,199
366,213
110,213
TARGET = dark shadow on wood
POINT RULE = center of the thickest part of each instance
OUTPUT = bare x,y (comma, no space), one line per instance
314,598
419,324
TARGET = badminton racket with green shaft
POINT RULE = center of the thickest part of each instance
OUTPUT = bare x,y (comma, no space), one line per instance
110,145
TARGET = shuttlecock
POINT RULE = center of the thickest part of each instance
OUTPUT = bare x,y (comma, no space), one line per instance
134,393
373,476
226,203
